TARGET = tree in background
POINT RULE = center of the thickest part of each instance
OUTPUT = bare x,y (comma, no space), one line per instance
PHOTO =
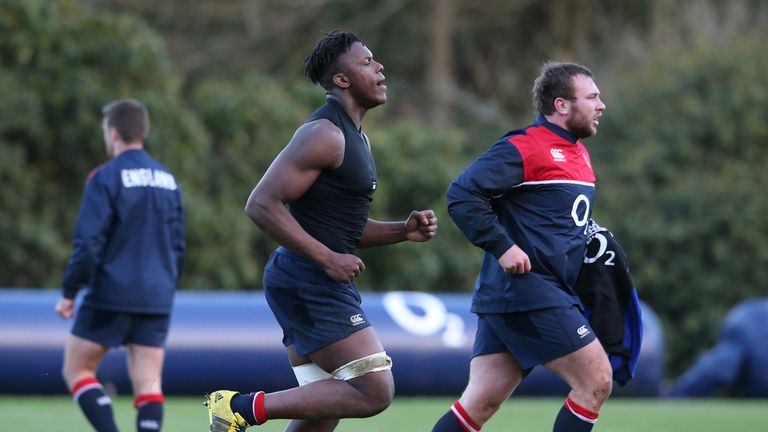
249,122
681,159
60,65
63,62
679,155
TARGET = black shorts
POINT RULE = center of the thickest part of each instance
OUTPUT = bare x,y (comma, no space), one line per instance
313,310
115,328
533,337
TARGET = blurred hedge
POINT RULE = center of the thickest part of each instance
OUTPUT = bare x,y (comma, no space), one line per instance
679,158
681,171
59,64
63,62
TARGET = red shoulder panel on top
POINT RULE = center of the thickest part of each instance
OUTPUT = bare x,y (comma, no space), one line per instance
548,158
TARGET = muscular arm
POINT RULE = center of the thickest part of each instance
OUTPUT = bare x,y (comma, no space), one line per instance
420,226
315,146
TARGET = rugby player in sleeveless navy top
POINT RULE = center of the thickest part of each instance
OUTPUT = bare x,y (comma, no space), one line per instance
314,201
526,202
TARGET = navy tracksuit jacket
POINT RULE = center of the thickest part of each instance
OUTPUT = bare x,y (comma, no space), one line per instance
129,238
533,188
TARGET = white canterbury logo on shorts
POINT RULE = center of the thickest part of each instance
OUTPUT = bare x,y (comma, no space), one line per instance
356,319
582,331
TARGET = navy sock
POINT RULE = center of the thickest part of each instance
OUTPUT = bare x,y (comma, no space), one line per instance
149,415
95,404
455,420
574,418
243,405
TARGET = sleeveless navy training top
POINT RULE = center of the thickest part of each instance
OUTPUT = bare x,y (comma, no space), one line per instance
334,210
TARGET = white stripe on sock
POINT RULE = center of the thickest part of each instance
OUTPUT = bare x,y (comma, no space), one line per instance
581,417
84,389
468,427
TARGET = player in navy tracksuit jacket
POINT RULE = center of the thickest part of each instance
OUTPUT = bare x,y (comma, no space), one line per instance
127,256
129,238
736,366
526,202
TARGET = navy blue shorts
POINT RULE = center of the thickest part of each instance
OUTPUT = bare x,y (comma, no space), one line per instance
115,328
313,310
533,337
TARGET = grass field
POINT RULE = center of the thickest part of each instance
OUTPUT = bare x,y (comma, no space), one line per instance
58,413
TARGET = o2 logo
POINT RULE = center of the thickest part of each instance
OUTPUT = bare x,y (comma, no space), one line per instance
433,317
601,250
580,217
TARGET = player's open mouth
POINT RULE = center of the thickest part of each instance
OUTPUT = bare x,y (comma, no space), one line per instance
381,84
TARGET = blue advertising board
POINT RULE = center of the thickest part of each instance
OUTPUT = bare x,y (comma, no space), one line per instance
231,340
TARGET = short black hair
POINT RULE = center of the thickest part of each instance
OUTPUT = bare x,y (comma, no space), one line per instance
129,117
555,81
322,63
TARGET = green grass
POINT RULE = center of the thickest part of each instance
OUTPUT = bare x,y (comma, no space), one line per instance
58,413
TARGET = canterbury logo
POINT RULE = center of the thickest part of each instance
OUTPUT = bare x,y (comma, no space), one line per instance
149,424
557,155
356,319
582,331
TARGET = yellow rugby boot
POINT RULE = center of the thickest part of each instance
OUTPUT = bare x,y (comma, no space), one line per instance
220,415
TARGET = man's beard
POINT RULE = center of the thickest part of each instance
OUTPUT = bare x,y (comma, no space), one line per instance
580,125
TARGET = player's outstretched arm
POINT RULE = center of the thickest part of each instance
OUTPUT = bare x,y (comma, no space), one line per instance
420,226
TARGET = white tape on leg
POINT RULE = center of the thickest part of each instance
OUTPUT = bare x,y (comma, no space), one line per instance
372,363
309,373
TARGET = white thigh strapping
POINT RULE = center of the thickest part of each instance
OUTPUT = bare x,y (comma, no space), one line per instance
310,372
372,363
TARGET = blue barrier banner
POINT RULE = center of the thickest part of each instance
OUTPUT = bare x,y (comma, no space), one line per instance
231,340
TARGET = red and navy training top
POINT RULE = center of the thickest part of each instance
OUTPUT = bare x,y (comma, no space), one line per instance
533,188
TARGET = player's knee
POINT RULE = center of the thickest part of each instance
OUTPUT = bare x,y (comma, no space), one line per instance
486,394
378,401
602,387
377,391
378,405
491,400
69,374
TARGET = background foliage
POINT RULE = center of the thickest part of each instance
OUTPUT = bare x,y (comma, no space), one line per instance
680,155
